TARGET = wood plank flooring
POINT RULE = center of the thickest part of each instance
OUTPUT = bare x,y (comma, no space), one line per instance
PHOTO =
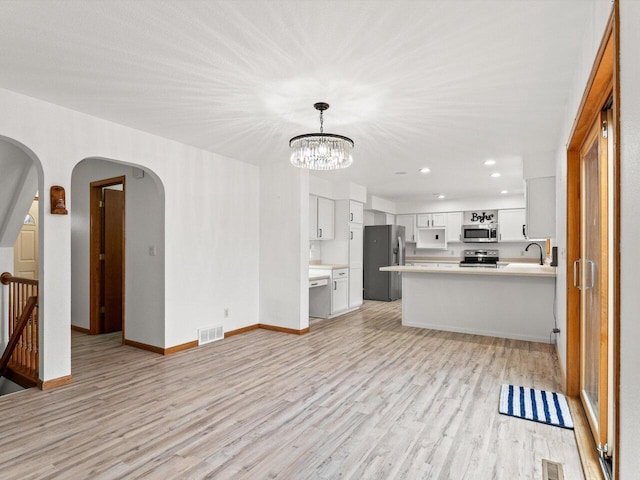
359,397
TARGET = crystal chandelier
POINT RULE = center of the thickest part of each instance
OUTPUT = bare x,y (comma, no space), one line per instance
321,151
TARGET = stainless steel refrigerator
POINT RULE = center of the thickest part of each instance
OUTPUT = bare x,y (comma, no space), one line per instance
383,246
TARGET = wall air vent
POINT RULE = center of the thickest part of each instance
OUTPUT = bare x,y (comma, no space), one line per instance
210,334
552,470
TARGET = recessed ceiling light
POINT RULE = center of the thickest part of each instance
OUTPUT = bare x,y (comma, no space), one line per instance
503,192
440,196
401,173
490,162
425,170
495,174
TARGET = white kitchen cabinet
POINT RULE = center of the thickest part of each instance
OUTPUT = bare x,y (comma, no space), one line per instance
339,295
356,245
325,216
347,248
356,212
541,207
511,225
431,220
432,238
438,220
454,227
409,224
356,287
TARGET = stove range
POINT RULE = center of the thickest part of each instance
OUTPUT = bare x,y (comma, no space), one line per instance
480,258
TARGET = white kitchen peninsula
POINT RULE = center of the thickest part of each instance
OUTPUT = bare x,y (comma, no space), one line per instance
513,301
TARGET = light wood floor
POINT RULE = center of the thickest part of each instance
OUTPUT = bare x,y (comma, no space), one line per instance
359,397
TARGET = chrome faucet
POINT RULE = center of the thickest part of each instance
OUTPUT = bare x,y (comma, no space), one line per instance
537,245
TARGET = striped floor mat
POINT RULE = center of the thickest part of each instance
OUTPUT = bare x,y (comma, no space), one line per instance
537,405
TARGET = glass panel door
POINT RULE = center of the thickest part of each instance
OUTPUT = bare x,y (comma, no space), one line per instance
594,280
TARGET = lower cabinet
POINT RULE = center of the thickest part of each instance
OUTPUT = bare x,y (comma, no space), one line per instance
355,287
339,295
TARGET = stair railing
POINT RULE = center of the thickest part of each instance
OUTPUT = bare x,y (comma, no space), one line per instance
23,327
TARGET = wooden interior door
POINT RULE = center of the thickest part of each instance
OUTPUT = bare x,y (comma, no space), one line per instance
593,268
107,256
113,242
25,250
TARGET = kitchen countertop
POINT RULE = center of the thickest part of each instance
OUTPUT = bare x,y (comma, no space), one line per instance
515,269
502,261
326,267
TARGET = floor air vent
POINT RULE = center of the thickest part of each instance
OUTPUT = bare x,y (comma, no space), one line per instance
552,470
210,334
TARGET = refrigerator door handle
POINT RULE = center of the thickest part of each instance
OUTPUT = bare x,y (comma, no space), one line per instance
400,251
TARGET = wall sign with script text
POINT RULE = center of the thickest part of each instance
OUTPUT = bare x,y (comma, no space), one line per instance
480,217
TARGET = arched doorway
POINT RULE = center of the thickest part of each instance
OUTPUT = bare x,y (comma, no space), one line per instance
21,180
142,249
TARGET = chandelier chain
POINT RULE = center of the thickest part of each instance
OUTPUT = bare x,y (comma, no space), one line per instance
321,122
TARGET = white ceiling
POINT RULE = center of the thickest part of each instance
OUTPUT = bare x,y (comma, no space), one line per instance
443,84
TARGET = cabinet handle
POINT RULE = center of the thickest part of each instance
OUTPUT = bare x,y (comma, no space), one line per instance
575,276
314,284
500,237
351,235
321,232
591,264
524,231
335,285
351,217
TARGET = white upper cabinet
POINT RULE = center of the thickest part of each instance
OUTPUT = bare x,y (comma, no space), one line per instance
431,220
541,207
438,220
321,218
356,212
454,227
511,225
409,224
326,218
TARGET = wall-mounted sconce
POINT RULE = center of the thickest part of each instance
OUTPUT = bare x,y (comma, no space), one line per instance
58,201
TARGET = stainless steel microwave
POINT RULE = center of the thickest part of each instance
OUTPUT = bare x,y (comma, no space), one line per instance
480,233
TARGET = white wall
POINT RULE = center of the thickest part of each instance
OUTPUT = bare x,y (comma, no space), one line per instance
336,190
591,41
211,222
18,186
629,234
463,204
537,165
284,246
6,265
144,274
380,204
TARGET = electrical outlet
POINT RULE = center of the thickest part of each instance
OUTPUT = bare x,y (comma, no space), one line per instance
226,313
152,251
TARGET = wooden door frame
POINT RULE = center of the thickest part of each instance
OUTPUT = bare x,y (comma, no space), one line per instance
95,233
603,83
